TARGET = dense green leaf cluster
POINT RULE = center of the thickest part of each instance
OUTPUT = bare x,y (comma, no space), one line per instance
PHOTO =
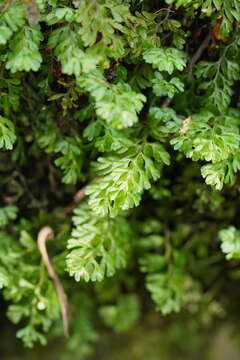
94,256
134,105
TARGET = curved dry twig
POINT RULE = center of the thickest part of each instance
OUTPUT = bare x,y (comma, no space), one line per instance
45,234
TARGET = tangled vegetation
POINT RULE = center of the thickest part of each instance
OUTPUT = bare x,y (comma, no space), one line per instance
119,138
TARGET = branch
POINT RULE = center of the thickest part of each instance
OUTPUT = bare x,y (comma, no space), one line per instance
80,194
192,62
77,197
45,234
199,51
166,102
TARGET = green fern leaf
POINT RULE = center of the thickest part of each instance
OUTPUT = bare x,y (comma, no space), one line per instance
98,245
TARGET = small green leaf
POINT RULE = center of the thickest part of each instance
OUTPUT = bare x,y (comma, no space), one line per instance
230,242
7,133
165,59
24,46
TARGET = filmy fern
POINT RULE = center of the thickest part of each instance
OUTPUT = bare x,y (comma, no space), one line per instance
119,129
124,179
98,246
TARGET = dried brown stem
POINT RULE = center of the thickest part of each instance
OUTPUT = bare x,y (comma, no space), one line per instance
80,194
45,234
77,197
199,51
192,62
166,102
